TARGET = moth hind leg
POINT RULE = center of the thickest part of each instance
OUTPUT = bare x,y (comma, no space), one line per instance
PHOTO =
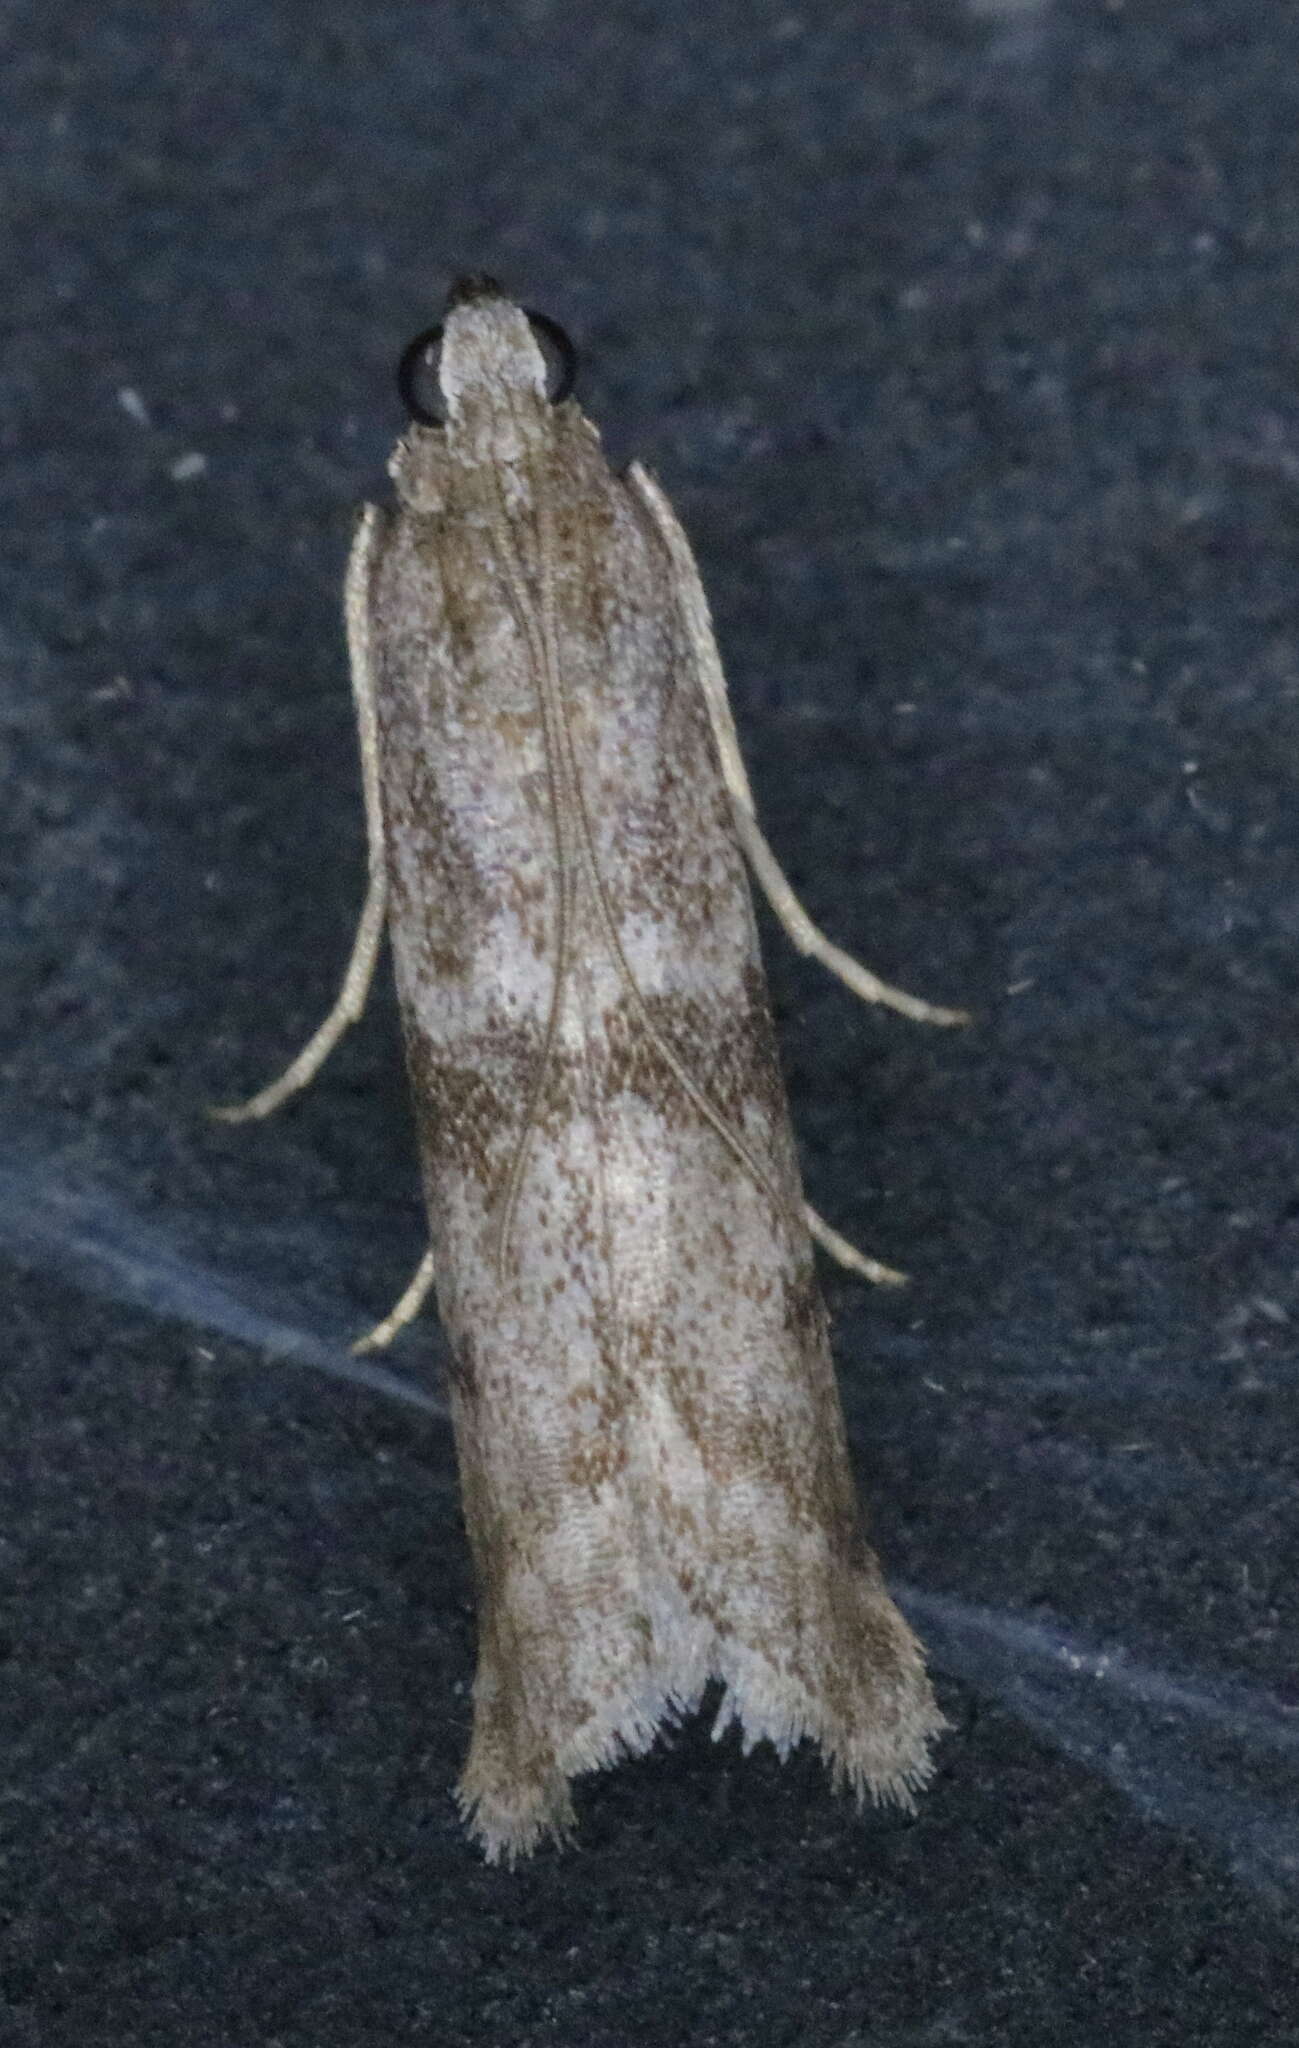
404,1310
847,1255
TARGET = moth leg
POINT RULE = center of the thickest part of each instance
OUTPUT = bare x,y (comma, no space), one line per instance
805,935
808,938
369,931
405,1311
848,1255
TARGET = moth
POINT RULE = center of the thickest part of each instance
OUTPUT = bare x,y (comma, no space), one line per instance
652,1454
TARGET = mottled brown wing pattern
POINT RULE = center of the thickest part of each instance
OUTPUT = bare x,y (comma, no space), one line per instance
655,1479
656,1485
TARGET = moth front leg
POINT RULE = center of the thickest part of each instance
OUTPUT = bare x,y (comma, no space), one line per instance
808,938
369,932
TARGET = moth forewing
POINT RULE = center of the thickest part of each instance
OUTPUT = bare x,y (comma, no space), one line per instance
655,1478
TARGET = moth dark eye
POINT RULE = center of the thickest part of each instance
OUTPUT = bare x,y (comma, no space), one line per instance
560,355
417,372
417,377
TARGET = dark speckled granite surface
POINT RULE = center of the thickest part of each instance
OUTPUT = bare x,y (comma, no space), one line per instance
963,333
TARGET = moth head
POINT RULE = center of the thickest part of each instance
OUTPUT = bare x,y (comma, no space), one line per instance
479,388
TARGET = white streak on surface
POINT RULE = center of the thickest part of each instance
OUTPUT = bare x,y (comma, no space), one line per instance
91,1237
1110,1711
1103,1707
